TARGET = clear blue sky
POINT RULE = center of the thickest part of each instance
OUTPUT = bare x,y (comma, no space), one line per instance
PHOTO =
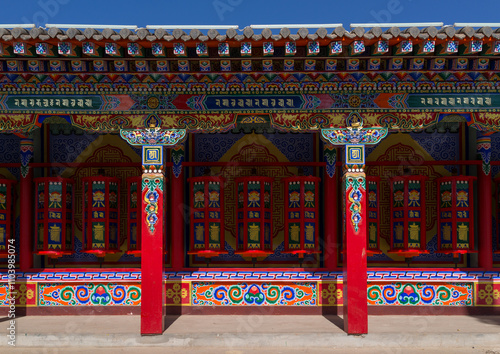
245,12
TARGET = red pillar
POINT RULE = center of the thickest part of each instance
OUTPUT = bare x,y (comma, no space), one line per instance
485,224
355,269
26,206
331,226
152,264
177,214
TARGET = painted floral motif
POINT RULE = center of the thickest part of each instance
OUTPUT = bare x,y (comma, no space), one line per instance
152,186
98,199
446,197
309,199
462,199
3,198
398,197
244,294
355,186
253,199
372,197
199,197
414,198
55,199
294,197
89,294
448,294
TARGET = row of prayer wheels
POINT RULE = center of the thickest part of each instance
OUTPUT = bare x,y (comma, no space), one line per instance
254,211
455,215
101,215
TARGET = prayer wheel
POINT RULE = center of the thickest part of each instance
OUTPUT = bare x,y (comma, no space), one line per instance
455,214
254,216
54,216
301,215
207,216
101,215
408,223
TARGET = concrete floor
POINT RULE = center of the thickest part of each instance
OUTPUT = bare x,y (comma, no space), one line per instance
240,334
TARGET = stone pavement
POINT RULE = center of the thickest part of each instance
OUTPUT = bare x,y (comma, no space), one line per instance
241,334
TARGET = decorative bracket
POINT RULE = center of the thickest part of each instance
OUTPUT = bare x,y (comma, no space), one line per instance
153,136
354,137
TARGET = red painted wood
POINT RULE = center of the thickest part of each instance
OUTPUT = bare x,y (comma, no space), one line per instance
485,220
48,218
217,247
134,216
455,211
152,268
330,249
178,221
26,222
302,209
354,271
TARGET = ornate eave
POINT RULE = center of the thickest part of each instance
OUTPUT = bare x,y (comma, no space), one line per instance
402,79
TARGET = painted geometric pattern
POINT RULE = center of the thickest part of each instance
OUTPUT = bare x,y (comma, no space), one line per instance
254,294
240,275
331,294
405,153
246,81
89,294
488,294
420,294
177,293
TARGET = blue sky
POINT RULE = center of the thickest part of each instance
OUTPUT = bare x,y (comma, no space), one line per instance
245,12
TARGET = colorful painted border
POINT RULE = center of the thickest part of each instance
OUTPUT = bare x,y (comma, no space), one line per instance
253,275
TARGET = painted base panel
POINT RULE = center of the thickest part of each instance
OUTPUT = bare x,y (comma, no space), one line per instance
235,292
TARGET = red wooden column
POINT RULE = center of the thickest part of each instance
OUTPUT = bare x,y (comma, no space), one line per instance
153,243
355,269
354,137
26,205
153,139
177,208
485,224
330,249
